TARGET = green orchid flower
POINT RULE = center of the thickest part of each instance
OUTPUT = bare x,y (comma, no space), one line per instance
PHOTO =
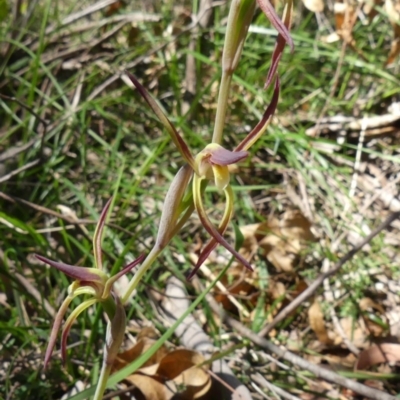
93,282
211,164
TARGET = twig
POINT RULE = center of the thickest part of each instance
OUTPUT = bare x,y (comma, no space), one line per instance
317,283
317,370
99,5
31,164
264,383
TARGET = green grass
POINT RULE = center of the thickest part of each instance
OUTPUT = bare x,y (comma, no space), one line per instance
93,144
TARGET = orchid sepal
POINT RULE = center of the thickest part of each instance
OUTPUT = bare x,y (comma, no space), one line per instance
262,125
212,243
198,203
112,279
76,272
55,328
280,43
69,322
173,133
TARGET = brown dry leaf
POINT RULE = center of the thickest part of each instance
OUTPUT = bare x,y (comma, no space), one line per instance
285,239
166,374
317,323
371,308
150,387
176,362
376,354
392,8
145,339
315,6
345,15
354,330
244,284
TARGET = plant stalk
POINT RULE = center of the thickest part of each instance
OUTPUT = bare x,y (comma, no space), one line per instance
102,382
152,256
222,105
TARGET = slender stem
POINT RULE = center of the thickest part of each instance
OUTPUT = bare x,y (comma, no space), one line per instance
222,105
152,256
102,382
154,253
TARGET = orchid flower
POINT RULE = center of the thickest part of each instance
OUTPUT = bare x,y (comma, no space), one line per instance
213,161
93,282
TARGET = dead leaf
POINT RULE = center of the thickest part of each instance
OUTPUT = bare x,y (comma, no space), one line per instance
285,239
392,8
370,310
317,323
145,339
176,362
376,354
166,373
354,330
150,387
315,6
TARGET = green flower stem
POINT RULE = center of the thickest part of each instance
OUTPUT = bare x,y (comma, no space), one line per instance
147,263
154,253
222,105
102,382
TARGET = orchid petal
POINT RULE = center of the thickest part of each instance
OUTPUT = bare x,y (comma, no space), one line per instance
68,324
98,236
54,330
85,290
221,176
212,243
80,273
176,138
280,43
260,128
198,203
114,278
271,14
172,205
222,156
